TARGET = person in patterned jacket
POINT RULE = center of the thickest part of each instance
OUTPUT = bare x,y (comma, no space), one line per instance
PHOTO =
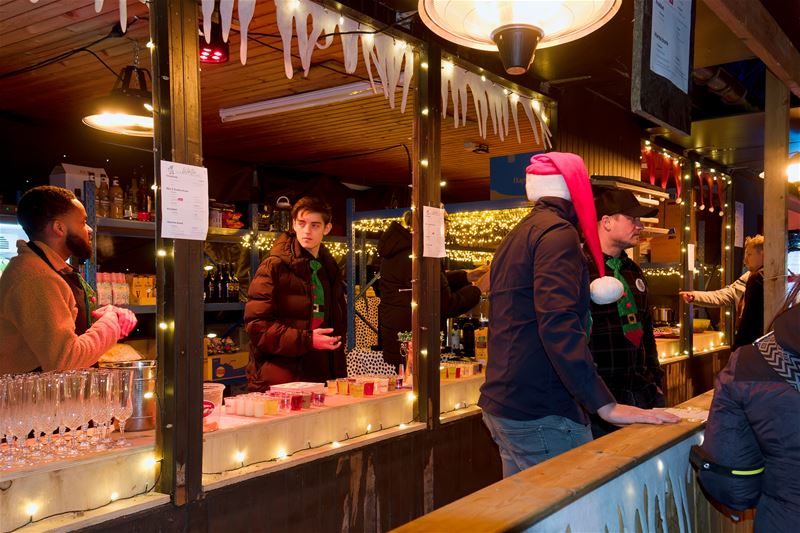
751,450
622,341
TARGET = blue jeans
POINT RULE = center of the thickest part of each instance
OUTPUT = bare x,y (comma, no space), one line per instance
524,443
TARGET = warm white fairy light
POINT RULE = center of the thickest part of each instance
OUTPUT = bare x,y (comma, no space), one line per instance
31,508
336,444
114,496
281,454
410,396
239,456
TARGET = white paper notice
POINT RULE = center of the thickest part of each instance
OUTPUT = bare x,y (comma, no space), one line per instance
433,232
669,41
690,258
184,201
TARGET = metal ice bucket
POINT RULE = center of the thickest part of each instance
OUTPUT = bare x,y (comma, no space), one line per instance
143,395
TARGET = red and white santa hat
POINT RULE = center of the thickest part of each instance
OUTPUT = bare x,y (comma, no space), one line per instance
564,175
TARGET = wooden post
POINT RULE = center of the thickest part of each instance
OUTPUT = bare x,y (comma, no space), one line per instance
425,271
687,231
176,98
776,153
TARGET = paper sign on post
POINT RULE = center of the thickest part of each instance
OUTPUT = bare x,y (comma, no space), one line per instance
433,232
184,201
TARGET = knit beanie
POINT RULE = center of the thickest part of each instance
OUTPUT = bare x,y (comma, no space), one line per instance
564,175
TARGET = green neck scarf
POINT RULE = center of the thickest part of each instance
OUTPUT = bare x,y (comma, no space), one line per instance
317,296
626,306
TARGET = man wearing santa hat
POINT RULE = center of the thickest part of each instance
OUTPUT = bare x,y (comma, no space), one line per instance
622,340
541,380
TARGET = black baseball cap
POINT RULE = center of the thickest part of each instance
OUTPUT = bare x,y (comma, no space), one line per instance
612,201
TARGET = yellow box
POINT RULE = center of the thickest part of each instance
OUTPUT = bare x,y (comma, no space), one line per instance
226,367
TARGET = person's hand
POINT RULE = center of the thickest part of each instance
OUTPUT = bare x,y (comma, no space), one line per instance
621,415
483,283
125,318
477,273
688,296
322,340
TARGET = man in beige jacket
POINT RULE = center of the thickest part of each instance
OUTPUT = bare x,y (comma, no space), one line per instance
45,305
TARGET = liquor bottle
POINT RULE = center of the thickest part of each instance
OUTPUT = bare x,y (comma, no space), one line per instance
220,291
235,278
96,199
226,283
142,212
233,290
151,204
208,286
117,199
104,198
130,199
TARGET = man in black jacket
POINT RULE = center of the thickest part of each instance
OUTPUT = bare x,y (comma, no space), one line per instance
622,340
541,379
458,293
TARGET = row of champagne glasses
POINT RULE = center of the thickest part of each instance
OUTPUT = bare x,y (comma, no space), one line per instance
54,402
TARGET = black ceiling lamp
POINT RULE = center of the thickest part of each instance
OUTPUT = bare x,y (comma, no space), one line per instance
213,49
127,110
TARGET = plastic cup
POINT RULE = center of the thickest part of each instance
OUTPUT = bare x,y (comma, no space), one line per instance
272,405
332,386
318,399
212,405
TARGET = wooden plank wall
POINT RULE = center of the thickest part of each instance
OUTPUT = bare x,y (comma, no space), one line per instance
609,143
687,378
371,489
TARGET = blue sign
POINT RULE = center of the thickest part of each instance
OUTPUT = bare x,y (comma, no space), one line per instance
507,175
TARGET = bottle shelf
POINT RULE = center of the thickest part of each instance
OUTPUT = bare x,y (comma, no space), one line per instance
224,306
212,307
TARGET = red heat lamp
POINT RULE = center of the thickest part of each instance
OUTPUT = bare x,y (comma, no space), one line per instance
215,50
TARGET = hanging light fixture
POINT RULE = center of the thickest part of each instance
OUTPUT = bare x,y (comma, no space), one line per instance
515,28
127,110
213,49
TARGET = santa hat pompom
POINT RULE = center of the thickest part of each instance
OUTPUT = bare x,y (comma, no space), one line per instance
564,175
606,290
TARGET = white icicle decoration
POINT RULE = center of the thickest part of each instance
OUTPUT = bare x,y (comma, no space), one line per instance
246,10
123,15
98,5
490,100
226,16
208,10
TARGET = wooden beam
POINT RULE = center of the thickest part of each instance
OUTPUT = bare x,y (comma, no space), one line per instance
425,271
776,157
176,99
753,24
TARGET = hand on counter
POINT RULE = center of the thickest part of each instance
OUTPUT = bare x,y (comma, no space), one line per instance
621,415
688,296
322,340
125,318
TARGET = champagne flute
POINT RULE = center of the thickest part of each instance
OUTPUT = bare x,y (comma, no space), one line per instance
99,404
123,404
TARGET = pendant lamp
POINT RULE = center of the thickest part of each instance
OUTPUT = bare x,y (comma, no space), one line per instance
516,28
127,110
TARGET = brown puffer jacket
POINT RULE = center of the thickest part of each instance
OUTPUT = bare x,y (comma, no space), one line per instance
278,319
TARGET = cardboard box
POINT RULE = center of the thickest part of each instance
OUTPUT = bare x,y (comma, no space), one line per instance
143,289
72,176
228,368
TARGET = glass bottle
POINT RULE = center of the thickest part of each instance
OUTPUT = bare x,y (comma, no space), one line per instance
208,286
235,279
104,198
130,198
142,212
220,291
117,199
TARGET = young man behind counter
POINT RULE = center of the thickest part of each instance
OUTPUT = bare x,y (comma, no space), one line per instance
295,311
45,305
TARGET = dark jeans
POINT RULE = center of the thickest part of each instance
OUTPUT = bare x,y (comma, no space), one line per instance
525,443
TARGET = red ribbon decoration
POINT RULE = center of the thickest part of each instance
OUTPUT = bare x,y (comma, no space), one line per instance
710,181
676,167
665,174
702,195
650,159
720,185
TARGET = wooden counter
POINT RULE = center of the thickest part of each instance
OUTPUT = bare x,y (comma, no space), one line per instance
523,501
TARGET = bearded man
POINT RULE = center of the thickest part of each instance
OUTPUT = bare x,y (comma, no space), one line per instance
46,317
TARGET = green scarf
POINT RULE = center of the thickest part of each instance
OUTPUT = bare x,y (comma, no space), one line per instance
317,296
626,306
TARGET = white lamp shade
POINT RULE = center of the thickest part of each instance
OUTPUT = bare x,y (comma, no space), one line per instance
472,22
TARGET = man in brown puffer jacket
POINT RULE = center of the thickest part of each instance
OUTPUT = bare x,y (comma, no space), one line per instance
295,311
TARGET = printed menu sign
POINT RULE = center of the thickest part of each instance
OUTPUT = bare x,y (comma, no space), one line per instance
433,232
184,201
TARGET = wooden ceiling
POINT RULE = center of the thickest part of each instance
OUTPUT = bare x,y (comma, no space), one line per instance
363,141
